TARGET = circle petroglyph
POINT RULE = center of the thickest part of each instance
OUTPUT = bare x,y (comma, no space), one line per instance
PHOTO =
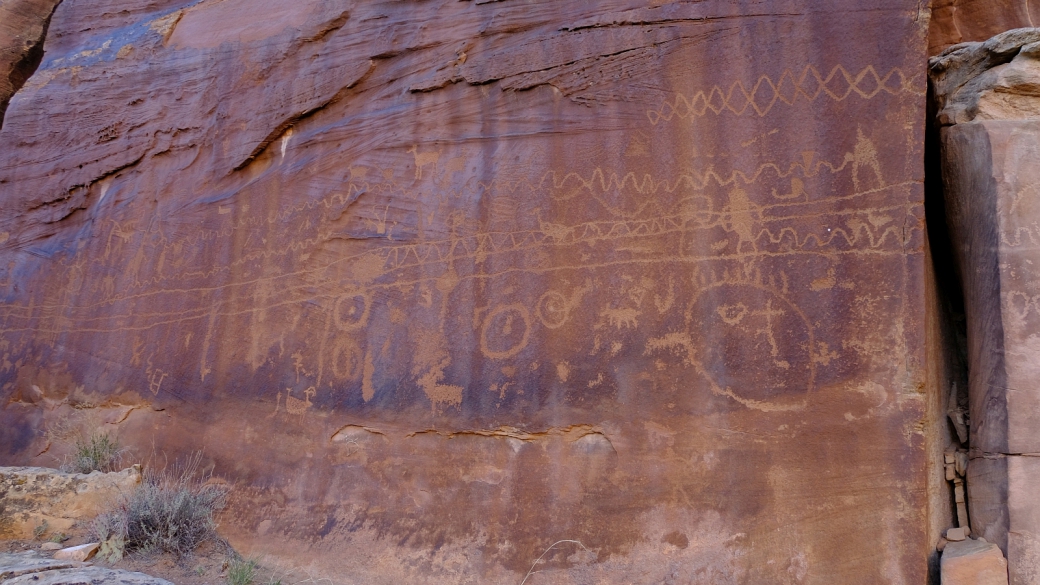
351,311
752,345
553,309
506,331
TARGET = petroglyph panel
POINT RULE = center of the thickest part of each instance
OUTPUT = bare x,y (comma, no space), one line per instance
477,291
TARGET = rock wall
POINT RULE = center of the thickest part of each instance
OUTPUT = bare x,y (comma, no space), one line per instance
632,290
964,21
989,110
23,25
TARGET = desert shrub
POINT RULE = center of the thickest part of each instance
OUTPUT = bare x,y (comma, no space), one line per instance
98,452
171,511
242,571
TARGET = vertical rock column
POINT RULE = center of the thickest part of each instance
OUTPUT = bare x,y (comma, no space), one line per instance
988,104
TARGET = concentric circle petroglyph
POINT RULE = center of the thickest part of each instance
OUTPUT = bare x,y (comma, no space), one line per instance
553,309
351,310
500,336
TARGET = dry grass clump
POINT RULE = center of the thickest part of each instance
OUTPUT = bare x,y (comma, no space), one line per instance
98,452
242,571
171,511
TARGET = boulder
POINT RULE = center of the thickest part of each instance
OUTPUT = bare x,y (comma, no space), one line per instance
973,562
30,568
47,501
30,562
80,552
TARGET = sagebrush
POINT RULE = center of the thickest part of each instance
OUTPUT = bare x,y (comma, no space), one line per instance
171,511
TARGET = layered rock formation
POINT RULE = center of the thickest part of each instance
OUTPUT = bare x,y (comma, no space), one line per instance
35,499
453,291
988,102
30,568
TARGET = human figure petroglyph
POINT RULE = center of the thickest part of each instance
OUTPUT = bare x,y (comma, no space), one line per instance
864,154
124,232
739,215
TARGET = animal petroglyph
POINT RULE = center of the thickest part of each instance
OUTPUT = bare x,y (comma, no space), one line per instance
741,215
623,318
440,394
423,159
797,191
296,406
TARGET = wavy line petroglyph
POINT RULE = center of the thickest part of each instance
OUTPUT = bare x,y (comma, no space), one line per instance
400,256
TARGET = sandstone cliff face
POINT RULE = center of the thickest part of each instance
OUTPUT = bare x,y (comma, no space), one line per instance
440,284
23,25
962,21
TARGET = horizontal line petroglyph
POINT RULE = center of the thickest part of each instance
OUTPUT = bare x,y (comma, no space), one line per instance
208,311
395,258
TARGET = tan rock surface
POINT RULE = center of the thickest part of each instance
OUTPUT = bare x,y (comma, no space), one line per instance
80,552
28,563
33,496
962,21
438,286
991,177
31,569
87,576
973,562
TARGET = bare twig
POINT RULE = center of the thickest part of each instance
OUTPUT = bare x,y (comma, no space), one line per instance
535,564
